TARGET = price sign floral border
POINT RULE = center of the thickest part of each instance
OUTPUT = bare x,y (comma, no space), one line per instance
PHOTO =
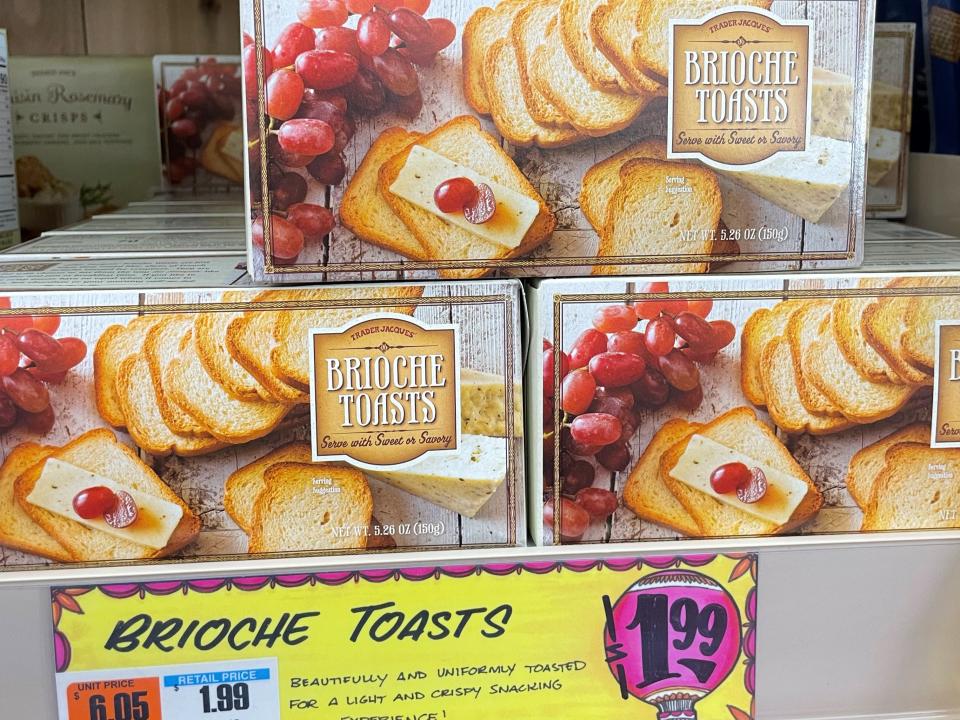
69,599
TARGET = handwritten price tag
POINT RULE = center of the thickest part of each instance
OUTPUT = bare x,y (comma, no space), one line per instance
227,690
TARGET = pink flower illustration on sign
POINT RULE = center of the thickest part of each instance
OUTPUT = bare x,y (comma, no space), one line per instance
671,639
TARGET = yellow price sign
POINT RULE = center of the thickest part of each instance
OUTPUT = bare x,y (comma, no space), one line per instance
670,638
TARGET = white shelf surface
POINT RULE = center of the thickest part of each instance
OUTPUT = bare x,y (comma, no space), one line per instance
856,630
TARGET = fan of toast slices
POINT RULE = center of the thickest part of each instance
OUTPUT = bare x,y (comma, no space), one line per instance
191,384
821,366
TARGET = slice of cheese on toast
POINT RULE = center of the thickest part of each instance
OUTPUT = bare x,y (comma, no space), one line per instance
210,333
918,488
115,345
738,435
225,417
98,452
646,494
311,507
290,356
19,531
590,110
145,422
644,220
463,482
527,33
462,141
364,209
245,484
867,463
160,347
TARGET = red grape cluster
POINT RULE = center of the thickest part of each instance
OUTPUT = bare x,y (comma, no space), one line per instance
320,75
30,360
203,94
635,356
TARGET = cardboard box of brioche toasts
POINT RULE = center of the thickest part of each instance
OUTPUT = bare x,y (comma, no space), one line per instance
554,137
217,424
744,406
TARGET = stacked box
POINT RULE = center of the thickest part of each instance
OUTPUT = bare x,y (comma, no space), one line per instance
801,404
233,423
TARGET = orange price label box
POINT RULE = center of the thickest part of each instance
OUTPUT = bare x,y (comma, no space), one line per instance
115,699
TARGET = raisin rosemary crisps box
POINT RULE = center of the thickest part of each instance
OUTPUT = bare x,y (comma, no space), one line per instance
747,405
541,138
195,424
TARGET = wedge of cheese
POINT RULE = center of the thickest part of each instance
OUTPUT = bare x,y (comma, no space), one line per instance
703,455
886,106
832,105
883,151
425,169
60,482
805,183
462,482
483,403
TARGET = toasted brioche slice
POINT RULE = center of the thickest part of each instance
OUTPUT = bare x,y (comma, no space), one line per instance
652,21
245,484
311,506
485,26
162,345
919,340
613,29
803,327
866,464
574,18
291,333
364,210
508,106
642,220
763,325
210,333
847,315
883,325
115,344
918,487
98,451
250,342
225,417
740,430
18,530
527,33
645,492
462,141
779,378
859,399
145,422
602,180
591,111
